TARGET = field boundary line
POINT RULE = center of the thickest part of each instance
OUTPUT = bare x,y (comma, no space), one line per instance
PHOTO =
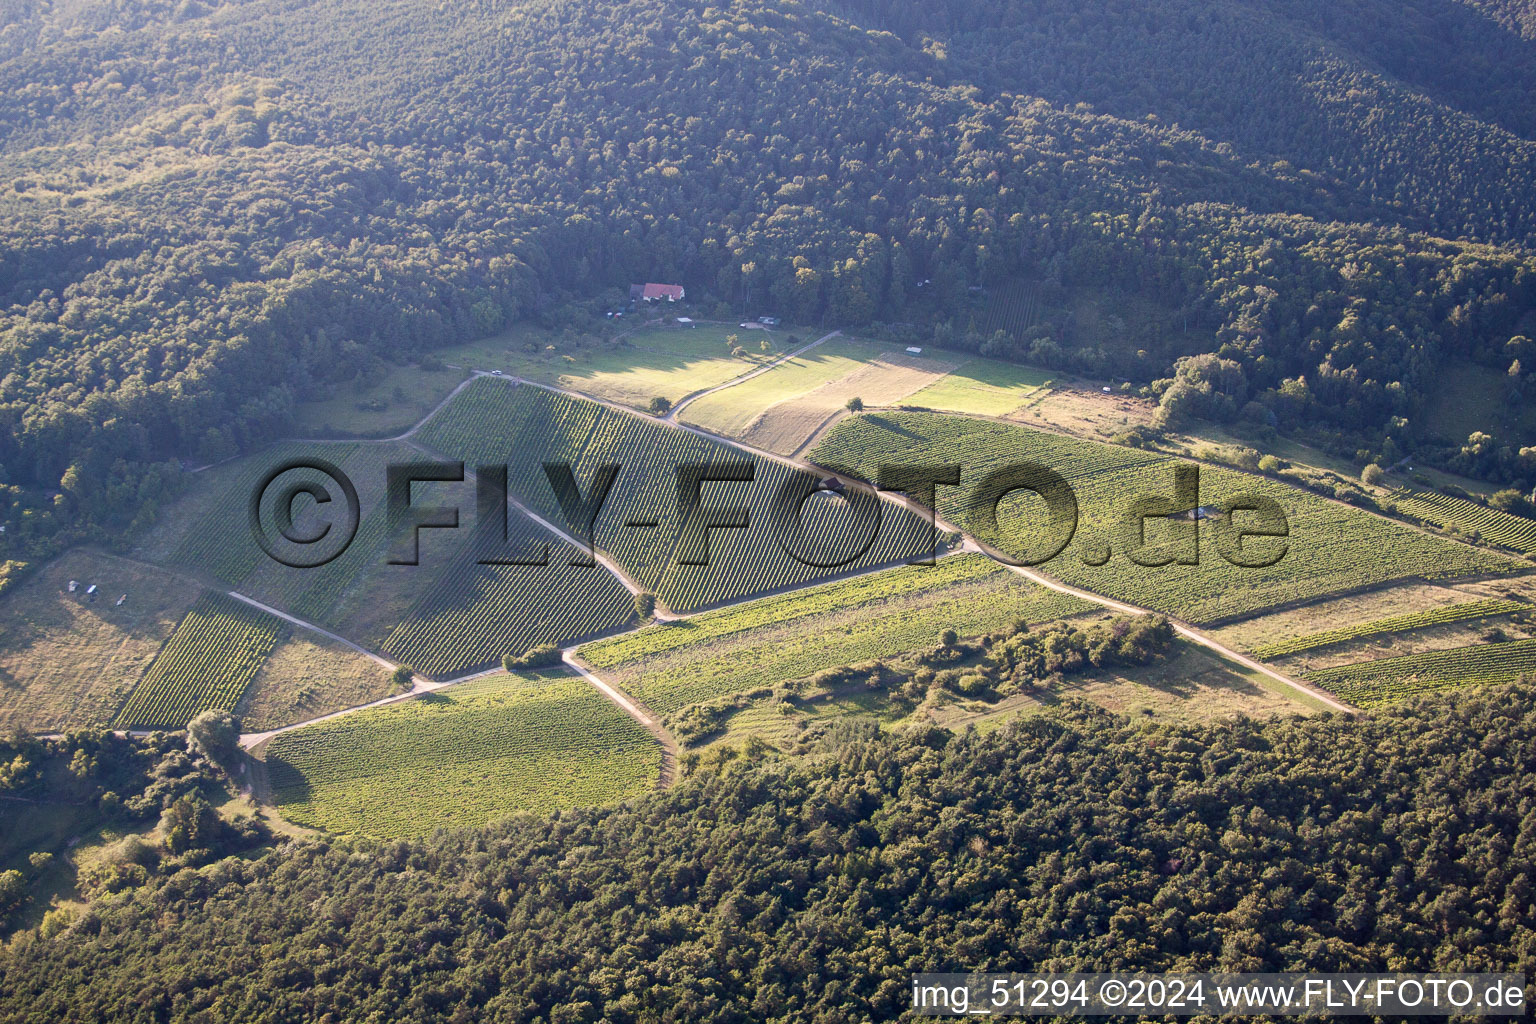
687,400
633,707
416,427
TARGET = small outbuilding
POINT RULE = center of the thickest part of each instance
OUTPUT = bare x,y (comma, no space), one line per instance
915,350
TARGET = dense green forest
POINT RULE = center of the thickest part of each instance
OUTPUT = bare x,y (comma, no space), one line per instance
811,888
213,209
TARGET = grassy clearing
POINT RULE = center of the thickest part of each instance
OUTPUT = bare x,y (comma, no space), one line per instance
782,408
462,757
208,662
1011,308
765,719
1193,685
981,387
1372,683
1331,548
383,406
307,676
1083,409
67,662
1394,624
650,361
795,635
1468,398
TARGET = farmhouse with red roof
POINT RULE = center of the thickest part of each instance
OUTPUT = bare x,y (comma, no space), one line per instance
653,292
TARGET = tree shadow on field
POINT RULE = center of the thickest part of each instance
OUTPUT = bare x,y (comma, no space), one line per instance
890,425
285,781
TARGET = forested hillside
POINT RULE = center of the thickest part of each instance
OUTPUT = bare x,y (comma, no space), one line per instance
812,889
212,209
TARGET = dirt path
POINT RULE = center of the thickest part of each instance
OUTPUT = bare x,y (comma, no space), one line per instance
636,710
630,584
384,663
687,400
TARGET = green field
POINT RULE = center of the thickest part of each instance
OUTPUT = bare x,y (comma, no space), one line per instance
667,361
1371,683
1332,548
782,407
1409,621
793,636
208,662
462,757
981,387
732,412
1470,518
525,426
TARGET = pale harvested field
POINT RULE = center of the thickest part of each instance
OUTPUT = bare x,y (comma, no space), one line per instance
1085,410
67,662
1355,609
885,380
307,676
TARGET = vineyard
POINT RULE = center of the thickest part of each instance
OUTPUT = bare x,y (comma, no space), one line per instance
1373,683
775,640
208,662
1332,548
474,615
1463,612
1489,524
462,757
639,525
